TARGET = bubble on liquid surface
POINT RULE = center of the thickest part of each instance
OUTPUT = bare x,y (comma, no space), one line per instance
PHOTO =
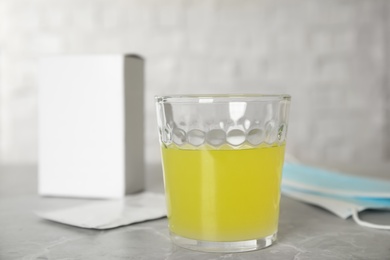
179,136
235,137
256,136
216,137
196,137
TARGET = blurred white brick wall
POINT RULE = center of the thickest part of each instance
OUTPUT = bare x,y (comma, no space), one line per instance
331,56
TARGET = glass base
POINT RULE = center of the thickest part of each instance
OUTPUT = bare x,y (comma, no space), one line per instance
223,247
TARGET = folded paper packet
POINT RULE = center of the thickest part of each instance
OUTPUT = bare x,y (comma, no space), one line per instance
111,213
342,194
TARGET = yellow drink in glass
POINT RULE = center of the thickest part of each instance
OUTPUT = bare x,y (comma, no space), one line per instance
222,158
223,194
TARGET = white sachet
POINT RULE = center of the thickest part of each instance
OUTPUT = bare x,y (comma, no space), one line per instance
110,213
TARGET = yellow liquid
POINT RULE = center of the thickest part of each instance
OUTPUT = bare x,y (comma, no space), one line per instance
223,195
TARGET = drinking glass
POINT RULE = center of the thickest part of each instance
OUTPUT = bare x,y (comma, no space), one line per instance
222,159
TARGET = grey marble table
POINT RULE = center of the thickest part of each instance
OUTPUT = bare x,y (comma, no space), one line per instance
305,232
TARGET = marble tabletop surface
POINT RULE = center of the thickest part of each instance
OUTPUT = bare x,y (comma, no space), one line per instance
305,232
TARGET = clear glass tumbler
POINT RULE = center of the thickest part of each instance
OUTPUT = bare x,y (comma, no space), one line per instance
222,160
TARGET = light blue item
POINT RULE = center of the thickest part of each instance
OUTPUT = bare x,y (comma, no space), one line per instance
344,195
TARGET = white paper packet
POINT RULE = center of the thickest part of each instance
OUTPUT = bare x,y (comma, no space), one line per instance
110,213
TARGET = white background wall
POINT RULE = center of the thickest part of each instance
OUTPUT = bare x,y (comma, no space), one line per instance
331,56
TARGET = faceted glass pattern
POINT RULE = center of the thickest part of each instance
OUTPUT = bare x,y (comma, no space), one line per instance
217,120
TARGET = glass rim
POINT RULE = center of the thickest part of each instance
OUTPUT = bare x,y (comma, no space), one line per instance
221,98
